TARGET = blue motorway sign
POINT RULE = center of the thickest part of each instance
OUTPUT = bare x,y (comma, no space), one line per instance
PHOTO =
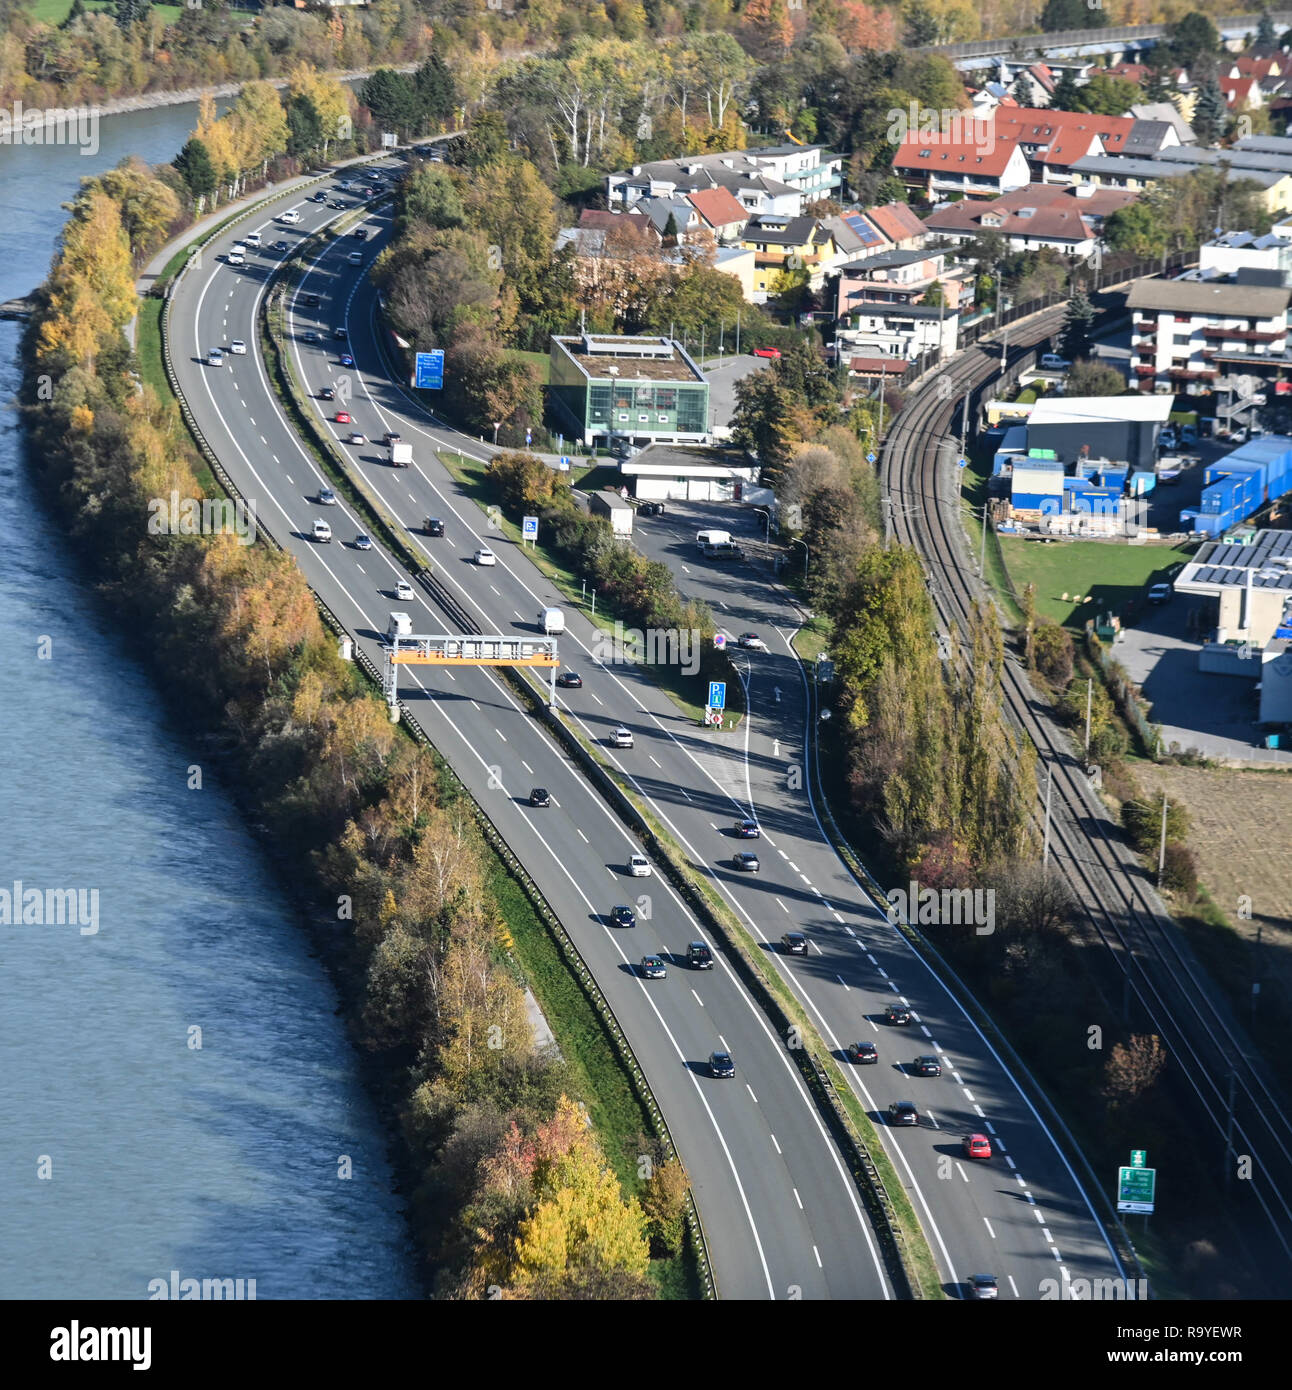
429,372
717,694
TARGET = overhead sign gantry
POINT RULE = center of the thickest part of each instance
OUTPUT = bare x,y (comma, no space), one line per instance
442,649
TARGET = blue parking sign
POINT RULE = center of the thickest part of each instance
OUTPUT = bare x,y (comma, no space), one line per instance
529,528
717,694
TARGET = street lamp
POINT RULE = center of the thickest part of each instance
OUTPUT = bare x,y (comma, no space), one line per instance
806,555
497,425
766,514
1004,347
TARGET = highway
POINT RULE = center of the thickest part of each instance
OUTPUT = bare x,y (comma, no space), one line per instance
781,1213
1023,1216
1214,1060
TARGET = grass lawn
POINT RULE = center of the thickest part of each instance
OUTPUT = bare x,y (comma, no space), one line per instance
149,350
812,639
540,361
687,692
56,11
1108,573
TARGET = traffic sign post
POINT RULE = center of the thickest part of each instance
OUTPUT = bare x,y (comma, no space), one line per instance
714,717
718,695
529,530
1139,1158
428,373
720,640
1136,1188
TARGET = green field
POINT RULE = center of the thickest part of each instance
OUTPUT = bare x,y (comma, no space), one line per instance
540,361
56,11
1107,573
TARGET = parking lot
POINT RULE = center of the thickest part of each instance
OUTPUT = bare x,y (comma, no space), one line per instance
1214,715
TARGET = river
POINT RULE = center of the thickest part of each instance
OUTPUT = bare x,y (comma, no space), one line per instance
126,1152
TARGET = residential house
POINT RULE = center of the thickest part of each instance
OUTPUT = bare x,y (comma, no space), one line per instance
902,277
1184,333
778,179
787,244
1242,93
721,212
1165,111
1052,141
972,161
897,222
1065,217
901,332
855,237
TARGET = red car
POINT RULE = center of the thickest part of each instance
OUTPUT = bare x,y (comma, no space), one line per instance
343,417
767,352
977,1146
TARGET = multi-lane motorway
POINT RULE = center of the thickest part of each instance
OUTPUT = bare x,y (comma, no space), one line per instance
779,1209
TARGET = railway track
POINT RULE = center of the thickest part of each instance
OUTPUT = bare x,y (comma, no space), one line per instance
1212,1055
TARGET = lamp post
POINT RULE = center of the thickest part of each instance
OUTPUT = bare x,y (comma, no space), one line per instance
1004,347
766,514
497,425
806,555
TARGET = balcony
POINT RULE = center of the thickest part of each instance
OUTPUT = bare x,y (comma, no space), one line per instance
1143,370
1243,335
1192,374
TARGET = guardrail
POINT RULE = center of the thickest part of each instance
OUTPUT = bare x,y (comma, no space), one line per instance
496,839
866,1175
1081,38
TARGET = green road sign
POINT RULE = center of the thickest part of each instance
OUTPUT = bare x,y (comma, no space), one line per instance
1139,1158
1135,1189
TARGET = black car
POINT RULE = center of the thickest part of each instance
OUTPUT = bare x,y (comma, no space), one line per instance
282,246
540,796
748,829
339,203
795,943
327,394
433,526
897,1013
392,437
571,680
623,916
340,334
651,509
720,1064
927,1065
699,956
902,1112
311,301
360,234
653,968
863,1052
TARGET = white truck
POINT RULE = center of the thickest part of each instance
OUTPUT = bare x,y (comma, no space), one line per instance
400,625
401,455
614,509
552,621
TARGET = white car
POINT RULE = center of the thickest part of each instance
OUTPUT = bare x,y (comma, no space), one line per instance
485,556
621,737
404,590
252,238
752,642
322,532
363,541
638,866
238,348
215,357
326,497
291,217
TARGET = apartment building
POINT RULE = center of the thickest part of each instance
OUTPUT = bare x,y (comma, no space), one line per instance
1187,334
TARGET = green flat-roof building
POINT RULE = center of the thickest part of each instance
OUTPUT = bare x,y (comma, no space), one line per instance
608,390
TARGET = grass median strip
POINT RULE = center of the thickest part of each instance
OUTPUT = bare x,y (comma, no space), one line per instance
912,1248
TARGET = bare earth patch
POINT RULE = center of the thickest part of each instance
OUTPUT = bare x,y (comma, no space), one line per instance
1242,835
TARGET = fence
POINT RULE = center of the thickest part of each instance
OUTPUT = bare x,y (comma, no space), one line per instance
1126,697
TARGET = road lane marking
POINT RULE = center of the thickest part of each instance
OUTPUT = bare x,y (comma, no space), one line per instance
797,1198
990,1232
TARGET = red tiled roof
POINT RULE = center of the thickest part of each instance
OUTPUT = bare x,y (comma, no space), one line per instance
1056,212
1237,90
718,206
896,221
988,155
1068,135
878,366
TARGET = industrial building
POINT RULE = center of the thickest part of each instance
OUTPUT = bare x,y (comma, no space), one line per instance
1250,588
611,390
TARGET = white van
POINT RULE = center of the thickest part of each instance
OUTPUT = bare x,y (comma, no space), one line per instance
1052,362
400,625
236,257
703,538
252,238
322,532
552,621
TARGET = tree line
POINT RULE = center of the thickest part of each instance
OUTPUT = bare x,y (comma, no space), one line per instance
511,1188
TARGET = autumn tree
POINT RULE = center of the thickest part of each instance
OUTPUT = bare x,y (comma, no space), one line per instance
1132,1069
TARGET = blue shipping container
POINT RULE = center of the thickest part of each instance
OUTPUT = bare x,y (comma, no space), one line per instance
1046,502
